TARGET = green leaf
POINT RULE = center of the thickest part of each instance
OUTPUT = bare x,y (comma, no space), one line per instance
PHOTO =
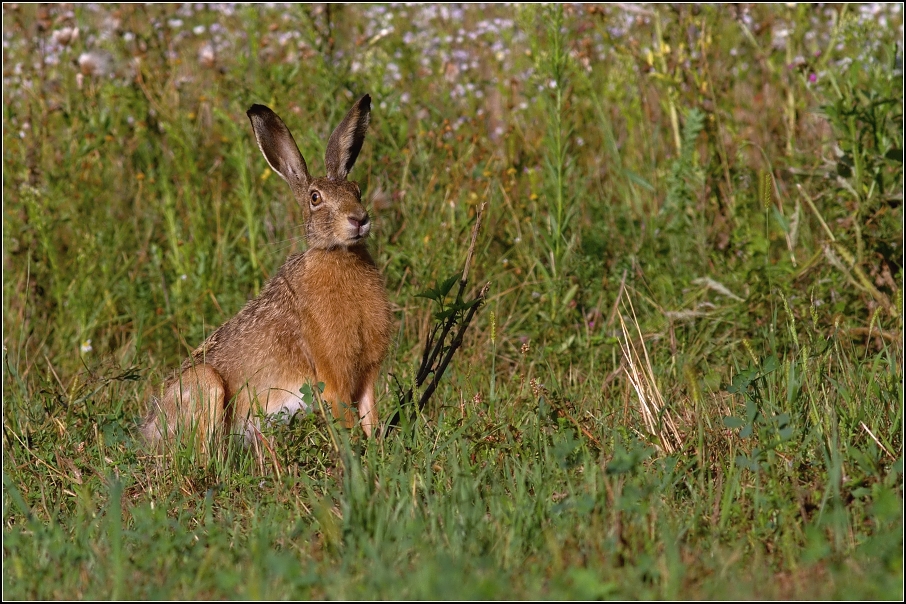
462,306
742,380
633,177
431,294
770,365
733,422
440,316
744,462
894,154
447,285
751,410
570,294
306,392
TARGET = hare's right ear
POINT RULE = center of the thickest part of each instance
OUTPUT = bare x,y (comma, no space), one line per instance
278,147
346,141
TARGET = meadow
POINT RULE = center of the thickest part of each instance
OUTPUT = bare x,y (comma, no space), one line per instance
686,378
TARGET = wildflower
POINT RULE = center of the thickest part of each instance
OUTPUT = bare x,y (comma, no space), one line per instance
66,36
95,63
538,389
86,346
206,55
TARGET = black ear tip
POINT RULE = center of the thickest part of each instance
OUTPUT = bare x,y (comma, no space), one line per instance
365,102
258,110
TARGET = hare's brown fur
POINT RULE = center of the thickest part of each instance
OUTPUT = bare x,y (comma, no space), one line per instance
324,317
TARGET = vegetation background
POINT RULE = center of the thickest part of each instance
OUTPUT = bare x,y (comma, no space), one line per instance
687,380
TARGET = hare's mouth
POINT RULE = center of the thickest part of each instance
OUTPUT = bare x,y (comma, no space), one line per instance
360,232
355,238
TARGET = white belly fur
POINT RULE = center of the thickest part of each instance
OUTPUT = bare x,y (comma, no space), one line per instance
280,404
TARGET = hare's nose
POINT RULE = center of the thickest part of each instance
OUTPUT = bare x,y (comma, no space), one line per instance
358,222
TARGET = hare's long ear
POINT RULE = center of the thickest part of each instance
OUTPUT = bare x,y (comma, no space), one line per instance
278,147
346,141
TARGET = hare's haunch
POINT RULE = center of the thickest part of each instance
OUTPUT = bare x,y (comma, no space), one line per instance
324,317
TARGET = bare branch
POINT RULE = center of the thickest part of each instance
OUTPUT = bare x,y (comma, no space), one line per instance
438,353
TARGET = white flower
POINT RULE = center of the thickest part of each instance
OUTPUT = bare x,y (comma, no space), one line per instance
206,55
65,36
86,346
95,63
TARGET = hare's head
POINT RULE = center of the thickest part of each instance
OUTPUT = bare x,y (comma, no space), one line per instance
331,205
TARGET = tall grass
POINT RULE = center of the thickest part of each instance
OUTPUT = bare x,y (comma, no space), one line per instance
686,382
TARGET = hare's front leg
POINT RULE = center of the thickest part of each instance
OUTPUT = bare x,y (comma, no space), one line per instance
339,397
367,410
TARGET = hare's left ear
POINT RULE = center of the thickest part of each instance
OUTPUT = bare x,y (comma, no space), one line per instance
346,141
279,149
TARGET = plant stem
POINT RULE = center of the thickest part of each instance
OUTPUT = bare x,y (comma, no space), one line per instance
671,105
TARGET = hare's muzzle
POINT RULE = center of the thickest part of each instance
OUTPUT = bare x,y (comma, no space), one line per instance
361,225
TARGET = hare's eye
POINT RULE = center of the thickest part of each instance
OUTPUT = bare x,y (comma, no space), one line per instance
315,198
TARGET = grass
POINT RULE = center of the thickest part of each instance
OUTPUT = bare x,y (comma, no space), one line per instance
704,210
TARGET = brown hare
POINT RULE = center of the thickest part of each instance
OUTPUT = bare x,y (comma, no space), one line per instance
324,317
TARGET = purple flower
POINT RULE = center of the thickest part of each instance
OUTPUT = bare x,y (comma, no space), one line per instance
812,78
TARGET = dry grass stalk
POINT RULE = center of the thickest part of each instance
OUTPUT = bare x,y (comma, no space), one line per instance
658,419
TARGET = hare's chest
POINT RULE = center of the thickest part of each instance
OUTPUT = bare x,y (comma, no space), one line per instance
344,305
